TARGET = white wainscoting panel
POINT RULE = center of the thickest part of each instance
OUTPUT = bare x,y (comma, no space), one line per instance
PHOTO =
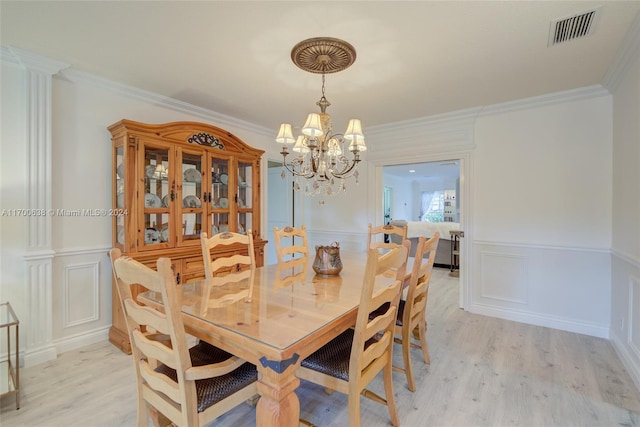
633,331
82,297
564,288
81,293
503,277
625,311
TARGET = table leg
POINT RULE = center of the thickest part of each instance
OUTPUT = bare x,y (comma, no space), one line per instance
278,405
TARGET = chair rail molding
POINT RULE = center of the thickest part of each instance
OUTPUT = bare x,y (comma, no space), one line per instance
38,82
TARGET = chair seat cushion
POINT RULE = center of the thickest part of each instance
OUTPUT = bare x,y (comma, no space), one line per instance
383,309
333,358
213,390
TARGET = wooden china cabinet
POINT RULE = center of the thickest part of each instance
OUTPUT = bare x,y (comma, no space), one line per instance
171,182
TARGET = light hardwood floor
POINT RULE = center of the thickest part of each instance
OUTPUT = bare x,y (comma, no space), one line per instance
483,372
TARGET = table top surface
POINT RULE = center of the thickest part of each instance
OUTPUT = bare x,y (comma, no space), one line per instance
281,304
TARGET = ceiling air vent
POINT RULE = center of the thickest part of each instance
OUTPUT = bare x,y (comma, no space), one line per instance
565,29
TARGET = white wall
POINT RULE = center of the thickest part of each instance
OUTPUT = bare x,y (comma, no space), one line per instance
543,175
342,217
13,229
538,225
542,214
624,82
402,198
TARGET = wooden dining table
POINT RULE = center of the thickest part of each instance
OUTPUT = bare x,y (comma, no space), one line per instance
274,319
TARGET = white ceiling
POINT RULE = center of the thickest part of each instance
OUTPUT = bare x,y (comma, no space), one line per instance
414,59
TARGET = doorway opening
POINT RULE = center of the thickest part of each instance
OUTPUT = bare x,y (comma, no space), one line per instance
386,209
280,206
430,197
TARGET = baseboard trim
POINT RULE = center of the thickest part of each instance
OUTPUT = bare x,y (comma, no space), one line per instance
563,324
81,340
40,355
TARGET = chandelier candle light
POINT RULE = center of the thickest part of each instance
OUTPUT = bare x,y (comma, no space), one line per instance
320,153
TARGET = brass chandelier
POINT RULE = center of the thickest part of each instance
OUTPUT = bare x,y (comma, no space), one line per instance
320,160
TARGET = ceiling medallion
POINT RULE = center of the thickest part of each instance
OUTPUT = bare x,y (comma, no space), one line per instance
323,55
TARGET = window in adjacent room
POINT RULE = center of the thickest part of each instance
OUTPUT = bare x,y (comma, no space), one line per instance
432,206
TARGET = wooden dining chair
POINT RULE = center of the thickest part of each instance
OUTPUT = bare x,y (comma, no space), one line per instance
165,339
187,386
411,321
412,318
223,290
299,247
349,362
235,262
373,240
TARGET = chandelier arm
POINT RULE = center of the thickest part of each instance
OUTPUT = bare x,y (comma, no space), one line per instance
341,140
347,173
291,170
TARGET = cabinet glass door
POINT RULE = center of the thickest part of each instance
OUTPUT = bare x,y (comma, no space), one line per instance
119,185
193,197
245,197
220,198
157,197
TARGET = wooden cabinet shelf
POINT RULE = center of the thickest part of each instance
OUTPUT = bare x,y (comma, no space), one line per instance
172,182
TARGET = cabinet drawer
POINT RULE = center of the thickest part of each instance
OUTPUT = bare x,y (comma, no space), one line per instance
193,265
192,277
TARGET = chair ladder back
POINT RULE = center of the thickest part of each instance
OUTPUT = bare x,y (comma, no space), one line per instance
417,292
381,230
123,289
154,349
212,266
146,316
224,290
377,265
299,243
230,261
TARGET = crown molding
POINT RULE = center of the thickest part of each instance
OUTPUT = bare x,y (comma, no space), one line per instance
77,76
629,50
7,56
454,119
429,135
412,128
462,120
578,94
35,62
